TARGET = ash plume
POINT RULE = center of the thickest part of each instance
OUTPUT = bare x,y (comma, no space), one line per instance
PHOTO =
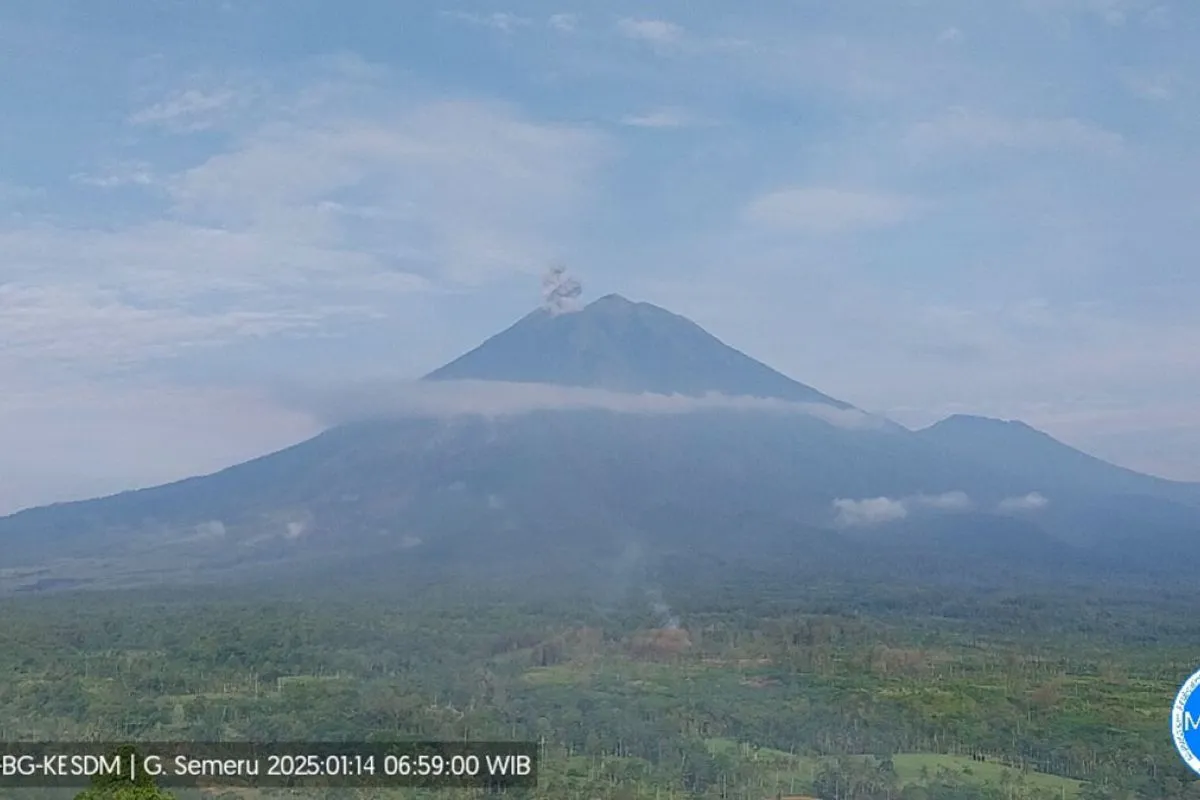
560,292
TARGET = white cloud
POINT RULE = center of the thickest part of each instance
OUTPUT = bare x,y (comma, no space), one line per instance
879,510
500,21
1111,11
16,194
669,38
962,128
381,398
564,23
1030,502
1158,18
193,109
1114,13
664,118
213,529
127,173
950,35
472,186
654,31
872,511
947,501
1158,87
1117,13
331,215
828,210
81,327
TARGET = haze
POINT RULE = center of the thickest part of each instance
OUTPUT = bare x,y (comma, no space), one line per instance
202,202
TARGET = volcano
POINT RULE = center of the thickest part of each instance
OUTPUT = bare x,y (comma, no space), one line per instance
623,346
799,483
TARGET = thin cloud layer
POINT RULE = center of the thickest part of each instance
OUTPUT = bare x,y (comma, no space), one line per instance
1033,501
383,399
500,21
654,31
828,210
962,128
664,119
193,109
327,219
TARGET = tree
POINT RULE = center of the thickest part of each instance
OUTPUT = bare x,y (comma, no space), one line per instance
120,787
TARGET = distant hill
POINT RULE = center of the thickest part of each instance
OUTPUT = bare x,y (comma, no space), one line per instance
611,495
1016,447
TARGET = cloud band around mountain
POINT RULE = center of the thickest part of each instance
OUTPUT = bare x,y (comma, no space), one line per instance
384,399
1034,501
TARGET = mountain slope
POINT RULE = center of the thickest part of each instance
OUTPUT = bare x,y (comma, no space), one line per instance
623,346
545,491
575,492
1015,447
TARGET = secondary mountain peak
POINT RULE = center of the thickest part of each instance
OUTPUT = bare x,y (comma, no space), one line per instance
621,345
1001,438
971,422
1018,447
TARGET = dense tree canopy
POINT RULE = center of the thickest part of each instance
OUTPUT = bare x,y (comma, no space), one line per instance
848,693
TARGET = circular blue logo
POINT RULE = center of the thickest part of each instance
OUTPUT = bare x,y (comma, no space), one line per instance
1185,722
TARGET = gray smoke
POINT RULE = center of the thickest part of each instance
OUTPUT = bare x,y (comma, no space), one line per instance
560,292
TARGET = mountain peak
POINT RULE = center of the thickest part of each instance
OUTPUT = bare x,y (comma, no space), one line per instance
621,345
992,434
617,305
965,422
613,301
1020,448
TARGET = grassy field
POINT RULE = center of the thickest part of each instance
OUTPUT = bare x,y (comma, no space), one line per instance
794,773
913,767
743,702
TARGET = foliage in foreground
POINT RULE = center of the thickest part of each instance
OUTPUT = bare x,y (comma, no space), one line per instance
845,693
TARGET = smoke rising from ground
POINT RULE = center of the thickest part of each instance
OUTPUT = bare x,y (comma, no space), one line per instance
442,399
666,617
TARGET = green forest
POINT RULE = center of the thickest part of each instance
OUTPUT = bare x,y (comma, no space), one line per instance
838,691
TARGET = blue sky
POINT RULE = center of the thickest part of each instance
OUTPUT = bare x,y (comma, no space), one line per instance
921,207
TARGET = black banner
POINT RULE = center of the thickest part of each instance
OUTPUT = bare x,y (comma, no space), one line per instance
248,764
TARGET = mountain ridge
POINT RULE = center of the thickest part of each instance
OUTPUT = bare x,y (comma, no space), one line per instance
1014,444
